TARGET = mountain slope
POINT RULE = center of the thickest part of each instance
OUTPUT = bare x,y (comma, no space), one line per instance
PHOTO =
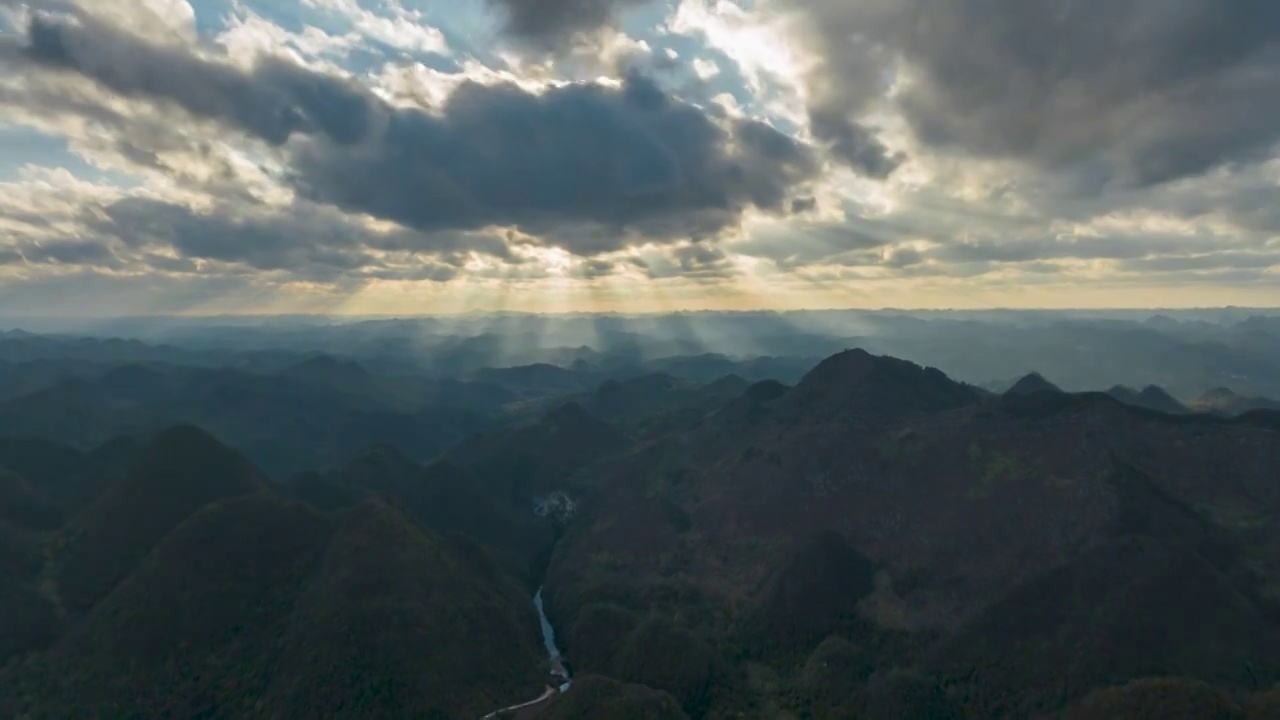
255,607
447,498
1152,397
181,470
956,506
521,463
431,628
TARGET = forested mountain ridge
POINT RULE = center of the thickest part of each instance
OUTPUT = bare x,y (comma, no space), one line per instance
875,541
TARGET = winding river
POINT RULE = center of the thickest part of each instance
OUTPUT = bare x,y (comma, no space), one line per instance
558,669
549,640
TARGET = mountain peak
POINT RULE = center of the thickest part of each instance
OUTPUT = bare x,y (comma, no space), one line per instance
1218,393
1032,382
1157,398
1151,397
843,367
327,365
569,414
729,383
191,444
856,380
181,470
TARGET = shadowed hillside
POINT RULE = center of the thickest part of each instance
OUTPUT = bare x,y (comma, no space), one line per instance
182,470
253,606
1151,397
443,497
599,698
1001,555
521,463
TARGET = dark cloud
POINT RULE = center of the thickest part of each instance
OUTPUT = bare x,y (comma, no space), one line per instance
587,167
549,23
61,252
855,145
273,100
1131,93
803,205
594,268
308,244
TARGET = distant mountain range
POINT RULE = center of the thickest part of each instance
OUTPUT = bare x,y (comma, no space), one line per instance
871,539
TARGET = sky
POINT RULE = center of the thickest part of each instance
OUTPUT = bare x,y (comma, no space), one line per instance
434,156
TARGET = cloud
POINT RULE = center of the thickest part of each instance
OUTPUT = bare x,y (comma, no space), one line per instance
552,23
692,260
587,166
316,242
1108,93
59,252
854,144
602,143
400,28
272,100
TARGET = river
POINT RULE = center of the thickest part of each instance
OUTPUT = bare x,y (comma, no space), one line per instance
558,669
549,640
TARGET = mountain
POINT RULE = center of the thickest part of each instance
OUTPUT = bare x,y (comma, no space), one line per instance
1222,401
539,378
21,506
445,498
1152,397
1170,699
180,471
959,554
256,607
1032,383
346,376
199,591
285,424
402,622
521,463
595,697
878,540
658,403
857,383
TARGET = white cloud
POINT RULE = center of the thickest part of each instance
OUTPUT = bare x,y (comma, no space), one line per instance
705,69
249,35
760,43
403,29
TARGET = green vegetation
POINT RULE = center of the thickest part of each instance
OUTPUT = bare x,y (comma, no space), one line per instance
663,655
593,697
992,467
814,594
597,634
256,607
260,608
1157,699
799,557
181,471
